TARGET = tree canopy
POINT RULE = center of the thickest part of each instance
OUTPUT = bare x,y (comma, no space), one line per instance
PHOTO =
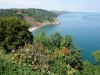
96,55
14,33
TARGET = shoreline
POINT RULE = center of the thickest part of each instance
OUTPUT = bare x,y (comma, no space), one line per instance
43,24
34,28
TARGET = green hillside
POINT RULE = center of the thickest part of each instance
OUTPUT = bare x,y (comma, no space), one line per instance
31,16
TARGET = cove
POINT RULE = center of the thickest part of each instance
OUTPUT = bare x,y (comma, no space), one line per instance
84,29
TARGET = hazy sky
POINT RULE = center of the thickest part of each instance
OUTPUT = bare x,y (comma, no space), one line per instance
69,5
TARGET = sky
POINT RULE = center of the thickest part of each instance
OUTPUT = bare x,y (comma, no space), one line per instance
60,5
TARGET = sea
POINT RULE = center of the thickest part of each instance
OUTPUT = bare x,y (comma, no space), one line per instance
84,27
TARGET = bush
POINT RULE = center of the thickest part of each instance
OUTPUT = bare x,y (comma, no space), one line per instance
13,33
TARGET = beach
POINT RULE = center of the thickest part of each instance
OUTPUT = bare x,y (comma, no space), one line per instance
43,24
34,28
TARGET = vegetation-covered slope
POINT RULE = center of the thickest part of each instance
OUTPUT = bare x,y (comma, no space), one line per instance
55,55
31,16
48,55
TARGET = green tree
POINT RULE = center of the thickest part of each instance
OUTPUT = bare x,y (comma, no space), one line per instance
55,39
96,55
89,69
14,33
8,68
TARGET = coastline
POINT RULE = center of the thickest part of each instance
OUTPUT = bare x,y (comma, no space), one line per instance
34,28
43,24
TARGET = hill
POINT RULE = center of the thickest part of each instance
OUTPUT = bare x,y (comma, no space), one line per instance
33,17
60,12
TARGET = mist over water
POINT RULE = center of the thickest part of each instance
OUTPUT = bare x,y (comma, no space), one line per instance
84,29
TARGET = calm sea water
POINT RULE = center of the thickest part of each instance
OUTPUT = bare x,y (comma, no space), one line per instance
84,29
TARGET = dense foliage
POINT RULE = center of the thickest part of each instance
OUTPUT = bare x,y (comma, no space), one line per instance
8,68
14,33
38,14
9,13
90,69
50,55
96,55
54,55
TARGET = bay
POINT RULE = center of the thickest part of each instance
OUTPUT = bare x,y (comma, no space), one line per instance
84,29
